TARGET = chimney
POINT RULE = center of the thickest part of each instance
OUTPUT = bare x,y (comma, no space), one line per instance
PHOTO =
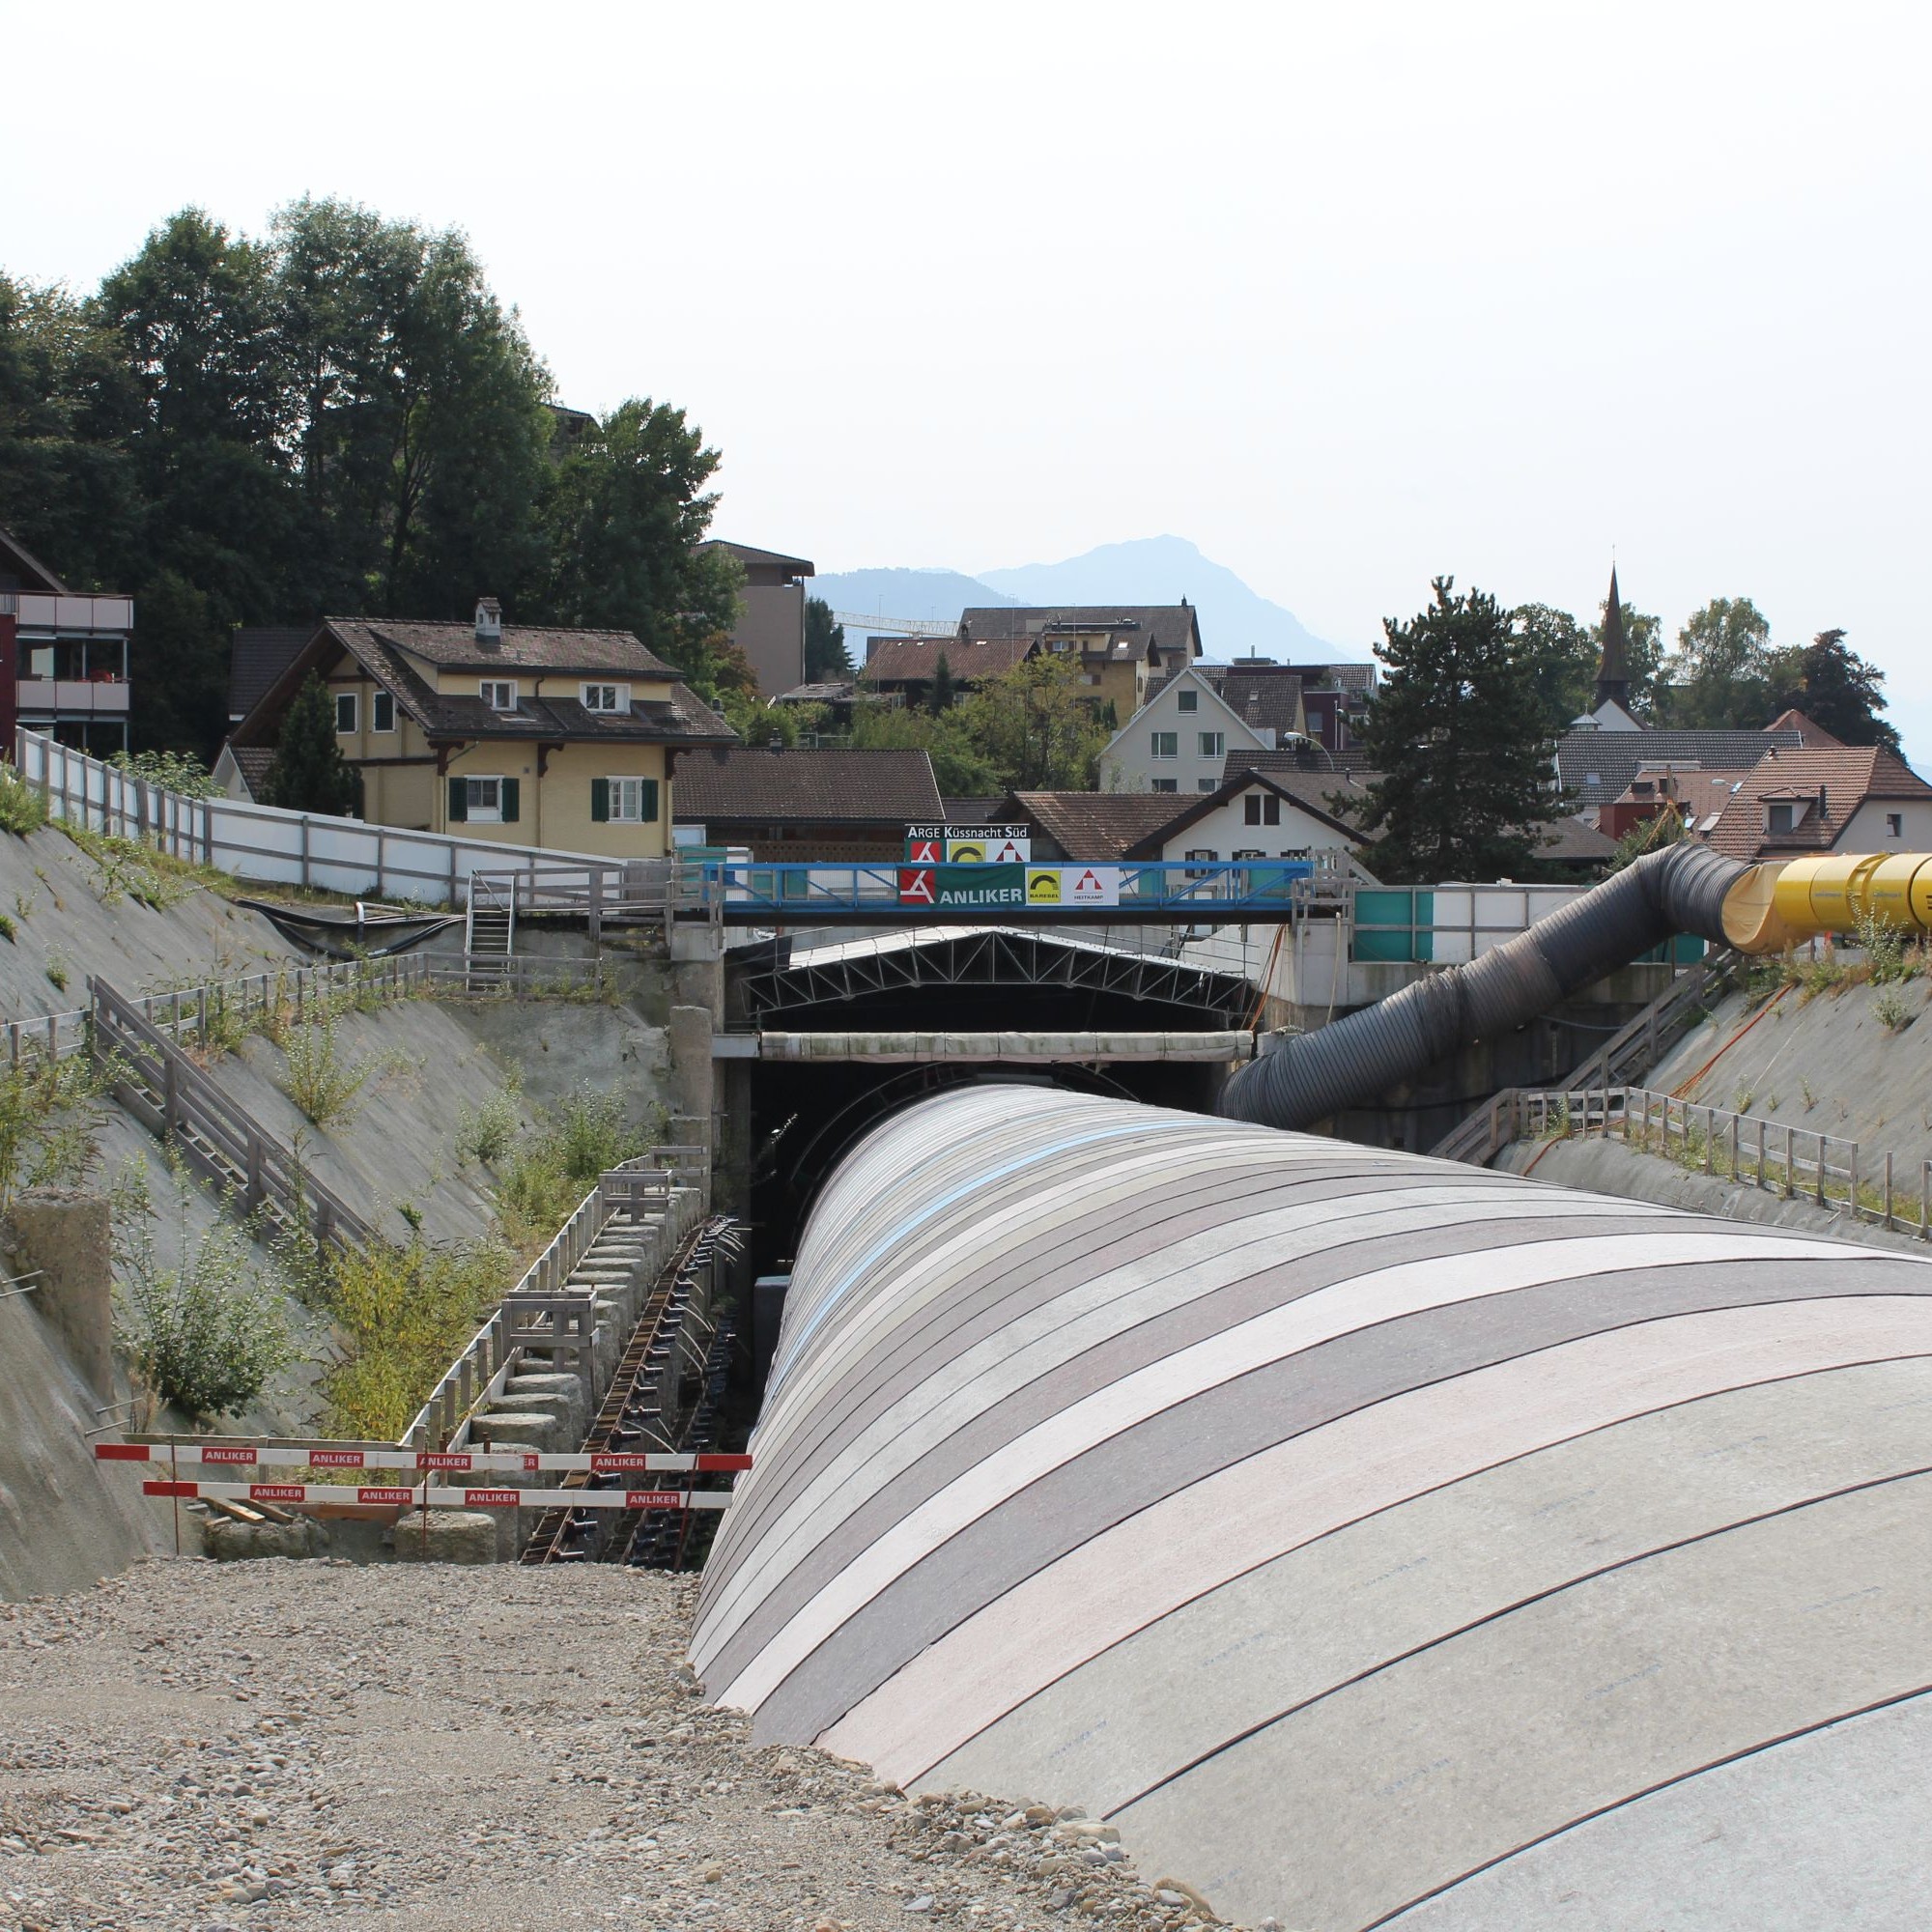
777,744
489,623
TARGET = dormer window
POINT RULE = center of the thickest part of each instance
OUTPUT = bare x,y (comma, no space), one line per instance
498,694
606,697
1781,816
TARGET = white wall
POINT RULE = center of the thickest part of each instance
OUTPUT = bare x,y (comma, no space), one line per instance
1226,831
1866,830
1128,763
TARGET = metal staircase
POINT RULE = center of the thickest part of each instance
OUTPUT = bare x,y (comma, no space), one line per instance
490,932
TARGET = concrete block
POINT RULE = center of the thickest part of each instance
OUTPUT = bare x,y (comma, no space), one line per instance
561,1395
519,1429
228,1541
449,1536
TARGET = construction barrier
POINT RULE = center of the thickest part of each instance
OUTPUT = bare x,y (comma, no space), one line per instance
293,1496
504,1461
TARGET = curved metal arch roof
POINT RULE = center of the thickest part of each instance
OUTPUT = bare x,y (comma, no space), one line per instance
1373,1540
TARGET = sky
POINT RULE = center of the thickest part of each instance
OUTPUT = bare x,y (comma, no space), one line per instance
1348,296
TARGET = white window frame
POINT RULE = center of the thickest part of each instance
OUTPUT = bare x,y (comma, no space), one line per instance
590,694
1214,744
377,700
1172,740
482,815
1895,825
491,689
1207,784
353,701
1187,700
1165,786
629,790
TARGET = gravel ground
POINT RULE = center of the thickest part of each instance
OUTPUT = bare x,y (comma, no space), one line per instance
216,1748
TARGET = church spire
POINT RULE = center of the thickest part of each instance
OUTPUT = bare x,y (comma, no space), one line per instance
1614,680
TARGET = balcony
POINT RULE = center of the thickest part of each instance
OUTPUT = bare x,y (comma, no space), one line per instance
71,698
39,611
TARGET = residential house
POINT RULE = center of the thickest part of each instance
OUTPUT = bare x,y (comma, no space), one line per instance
904,669
1844,798
63,656
771,617
1121,650
1087,827
1256,816
1596,765
257,657
518,734
1695,793
1182,739
838,807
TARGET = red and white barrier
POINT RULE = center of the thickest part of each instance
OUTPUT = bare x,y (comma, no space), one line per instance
438,1497
502,1461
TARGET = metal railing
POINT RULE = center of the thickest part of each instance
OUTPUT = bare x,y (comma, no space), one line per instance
481,1373
217,1137
1775,1156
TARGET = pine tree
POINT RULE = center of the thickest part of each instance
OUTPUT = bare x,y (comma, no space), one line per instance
1834,687
941,686
1459,728
308,772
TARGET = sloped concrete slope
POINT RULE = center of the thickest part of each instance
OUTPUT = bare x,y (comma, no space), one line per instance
1345,1526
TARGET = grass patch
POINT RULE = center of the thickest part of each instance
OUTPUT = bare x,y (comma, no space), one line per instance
555,1163
133,870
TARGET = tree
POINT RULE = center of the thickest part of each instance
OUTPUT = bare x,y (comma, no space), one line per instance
1720,676
1563,657
1460,729
1036,727
1835,688
960,763
941,686
308,772
826,658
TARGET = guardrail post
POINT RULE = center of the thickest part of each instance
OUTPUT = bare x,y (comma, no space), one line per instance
1888,1188
1851,1193
1821,1170
1787,1163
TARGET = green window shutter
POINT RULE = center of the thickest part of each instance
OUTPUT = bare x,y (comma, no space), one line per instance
600,801
649,803
510,790
459,802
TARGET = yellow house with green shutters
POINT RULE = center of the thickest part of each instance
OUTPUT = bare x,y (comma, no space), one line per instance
523,733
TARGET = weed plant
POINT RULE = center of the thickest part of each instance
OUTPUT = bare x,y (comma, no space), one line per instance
485,1133
48,1127
22,809
555,1162
320,1078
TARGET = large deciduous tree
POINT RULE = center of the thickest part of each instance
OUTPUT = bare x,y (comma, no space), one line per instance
1460,728
1833,687
1719,678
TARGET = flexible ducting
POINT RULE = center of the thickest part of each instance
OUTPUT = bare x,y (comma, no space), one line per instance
1349,1063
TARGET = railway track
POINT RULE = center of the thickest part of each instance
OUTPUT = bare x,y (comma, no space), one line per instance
647,1387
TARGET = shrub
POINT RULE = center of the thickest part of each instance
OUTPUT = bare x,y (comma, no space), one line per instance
405,1309
320,1079
41,1142
1884,948
22,809
172,771
205,1335
485,1133
555,1163
1890,1009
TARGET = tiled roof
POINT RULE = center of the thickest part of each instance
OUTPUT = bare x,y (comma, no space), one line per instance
1698,790
1315,762
840,691
1611,757
253,761
257,657
974,810
1266,699
1570,839
968,659
680,719
1097,827
1813,734
843,787
1172,626
526,647
1848,775
16,560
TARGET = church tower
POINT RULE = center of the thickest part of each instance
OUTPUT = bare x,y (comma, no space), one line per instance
1613,681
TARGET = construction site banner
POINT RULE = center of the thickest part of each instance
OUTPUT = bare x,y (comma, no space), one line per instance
1074,885
968,845
961,886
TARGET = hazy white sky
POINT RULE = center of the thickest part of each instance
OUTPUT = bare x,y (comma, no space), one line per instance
1348,295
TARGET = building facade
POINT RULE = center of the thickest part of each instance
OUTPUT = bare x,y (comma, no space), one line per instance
534,736
771,614
63,656
1180,740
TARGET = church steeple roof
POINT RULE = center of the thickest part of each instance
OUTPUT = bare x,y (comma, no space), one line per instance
1613,679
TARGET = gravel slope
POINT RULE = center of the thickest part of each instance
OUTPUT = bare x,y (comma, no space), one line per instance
193,1747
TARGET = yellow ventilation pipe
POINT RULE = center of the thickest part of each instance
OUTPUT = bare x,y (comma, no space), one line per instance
1773,906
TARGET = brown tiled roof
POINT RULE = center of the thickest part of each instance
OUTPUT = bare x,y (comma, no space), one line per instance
254,761
1173,627
826,787
1848,775
1810,733
1266,698
680,719
1571,840
968,659
257,656
526,647
1097,827
1314,760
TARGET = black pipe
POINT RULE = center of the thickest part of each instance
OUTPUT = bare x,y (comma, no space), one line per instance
1315,1075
